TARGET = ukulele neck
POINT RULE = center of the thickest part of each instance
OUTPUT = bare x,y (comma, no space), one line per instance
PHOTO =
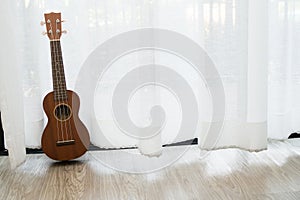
58,74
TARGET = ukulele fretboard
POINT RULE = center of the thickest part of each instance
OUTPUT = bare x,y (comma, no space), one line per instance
58,74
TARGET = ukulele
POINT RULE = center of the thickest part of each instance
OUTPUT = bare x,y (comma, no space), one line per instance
65,137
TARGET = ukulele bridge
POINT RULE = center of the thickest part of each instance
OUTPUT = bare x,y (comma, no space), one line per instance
64,142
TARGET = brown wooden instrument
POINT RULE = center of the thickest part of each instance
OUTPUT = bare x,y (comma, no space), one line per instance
65,136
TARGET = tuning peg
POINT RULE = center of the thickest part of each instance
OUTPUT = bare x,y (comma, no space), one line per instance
44,33
64,31
63,20
42,23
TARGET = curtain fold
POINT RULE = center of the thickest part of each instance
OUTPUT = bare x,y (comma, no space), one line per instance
251,44
11,101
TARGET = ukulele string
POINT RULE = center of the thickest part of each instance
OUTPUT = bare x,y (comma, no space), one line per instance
61,94
66,110
55,69
57,83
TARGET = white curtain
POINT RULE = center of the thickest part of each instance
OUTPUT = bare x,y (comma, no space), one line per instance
251,44
284,71
11,105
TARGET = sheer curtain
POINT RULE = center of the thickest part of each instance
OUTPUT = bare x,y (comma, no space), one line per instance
284,71
11,105
252,45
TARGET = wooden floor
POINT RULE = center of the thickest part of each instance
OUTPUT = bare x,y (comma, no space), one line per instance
223,174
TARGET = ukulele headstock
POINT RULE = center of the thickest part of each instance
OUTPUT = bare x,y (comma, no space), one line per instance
53,25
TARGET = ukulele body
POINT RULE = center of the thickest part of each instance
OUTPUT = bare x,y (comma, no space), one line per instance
65,136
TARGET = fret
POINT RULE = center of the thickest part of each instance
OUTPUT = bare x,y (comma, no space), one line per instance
58,81
58,74
60,94
60,78
56,54
57,84
58,71
63,94
59,61
59,89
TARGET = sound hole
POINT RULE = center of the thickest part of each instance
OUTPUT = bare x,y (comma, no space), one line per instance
62,112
